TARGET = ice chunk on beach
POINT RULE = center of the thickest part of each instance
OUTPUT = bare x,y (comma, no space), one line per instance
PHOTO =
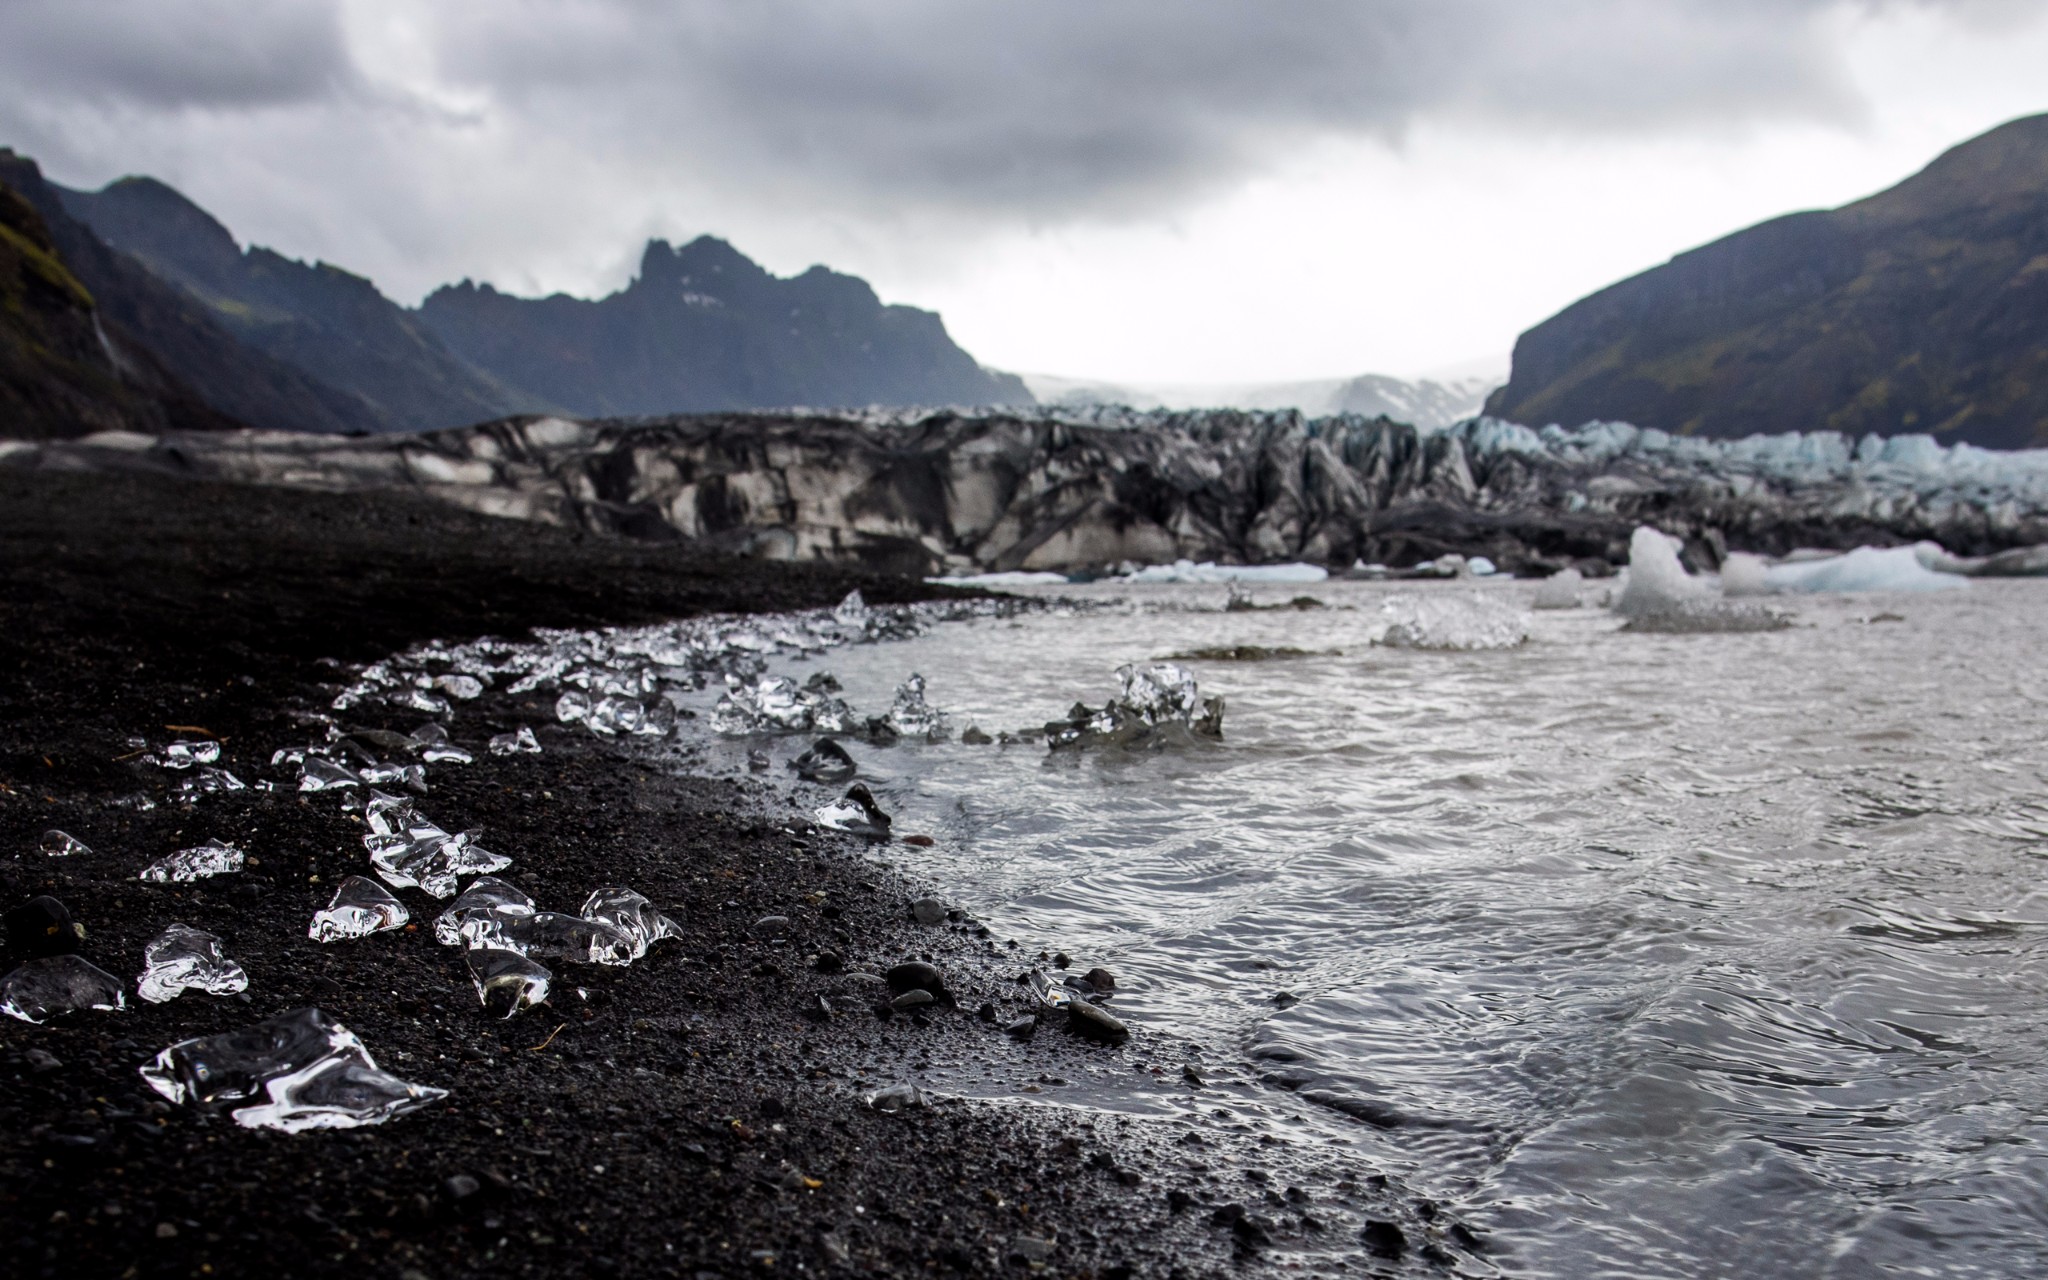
777,704
462,687
61,844
182,957
556,935
1467,620
1864,569
360,908
1559,591
485,896
207,780
52,985
185,754
518,743
507,981
213,858
631,914
317,773
299,1071
857,813
431,741
425,856
853,611
913,717
826,761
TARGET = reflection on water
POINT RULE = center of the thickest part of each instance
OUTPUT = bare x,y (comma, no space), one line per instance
1679,955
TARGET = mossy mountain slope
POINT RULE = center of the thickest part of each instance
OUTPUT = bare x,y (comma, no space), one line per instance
1922,309
705,328
167,336
323,320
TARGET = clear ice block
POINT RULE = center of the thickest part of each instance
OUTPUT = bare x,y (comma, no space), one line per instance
555,935
52,985
207,780
521,742
631,914
299,1071
317,773
1158,691
486,895
778,704
913,717
61,844
507,981
857,812
213,858
183,755
182,957
461,687
826,761
360,908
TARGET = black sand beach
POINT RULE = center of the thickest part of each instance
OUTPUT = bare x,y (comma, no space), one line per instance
691,1115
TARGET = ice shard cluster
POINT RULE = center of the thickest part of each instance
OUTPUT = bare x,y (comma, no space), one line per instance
408,850
1157,704
299,1071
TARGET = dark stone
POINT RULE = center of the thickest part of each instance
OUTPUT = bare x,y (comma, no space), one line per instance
773,1108
1062,960
1177,1201
1100,979
1385,1239
915,975
42,926
1023,1028
828,962
911,1000
1093,1022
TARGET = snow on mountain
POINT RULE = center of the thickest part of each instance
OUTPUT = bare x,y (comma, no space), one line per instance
1429,403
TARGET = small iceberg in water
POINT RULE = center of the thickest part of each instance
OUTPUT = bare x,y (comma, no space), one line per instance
1864,569
1661,596
1207,572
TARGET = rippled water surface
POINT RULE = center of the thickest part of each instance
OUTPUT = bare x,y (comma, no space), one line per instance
1654,955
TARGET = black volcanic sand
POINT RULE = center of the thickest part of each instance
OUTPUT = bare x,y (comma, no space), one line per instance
683,1116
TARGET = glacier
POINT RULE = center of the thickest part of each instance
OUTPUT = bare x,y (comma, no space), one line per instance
1092,489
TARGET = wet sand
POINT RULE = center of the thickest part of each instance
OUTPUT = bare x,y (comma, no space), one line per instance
692,1114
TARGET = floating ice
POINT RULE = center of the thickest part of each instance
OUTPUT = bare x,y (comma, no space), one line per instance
1559,591
61,844
1661,597
200,861
1864,569
853,611
507,981
1157,703
1461,621
631,914
1158,691
1008,578
299,1071
1206,572
826,761
521,742
360,908
857,813
182,957
51,985
552,934
183,755
913,717
777,704
486,896
317,773
1657,582
1481,567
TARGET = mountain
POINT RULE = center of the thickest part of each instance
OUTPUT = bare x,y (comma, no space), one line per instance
158,326
1922,309
62,371
705,328
1426,402
318,318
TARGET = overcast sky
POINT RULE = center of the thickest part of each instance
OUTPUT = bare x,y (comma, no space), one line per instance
1144,190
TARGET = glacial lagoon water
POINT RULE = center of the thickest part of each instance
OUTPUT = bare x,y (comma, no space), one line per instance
1673,955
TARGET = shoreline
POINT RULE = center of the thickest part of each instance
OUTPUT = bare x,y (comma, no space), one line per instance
672,1123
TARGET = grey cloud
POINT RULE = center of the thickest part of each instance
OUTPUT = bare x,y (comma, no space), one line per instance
1065,107
204,54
